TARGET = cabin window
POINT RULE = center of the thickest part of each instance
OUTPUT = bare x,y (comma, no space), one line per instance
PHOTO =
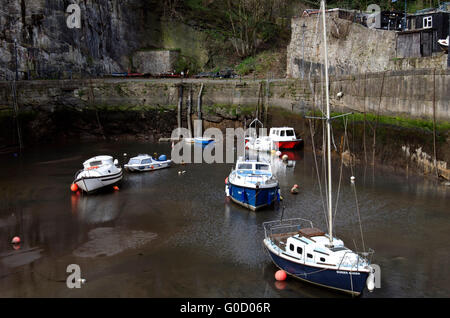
322,259
309,255
245,166
291,247
95,163
299,250
146,161
134,161
428,22
262,167
290,133
282,133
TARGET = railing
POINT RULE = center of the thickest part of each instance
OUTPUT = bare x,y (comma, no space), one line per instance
360,260
284,226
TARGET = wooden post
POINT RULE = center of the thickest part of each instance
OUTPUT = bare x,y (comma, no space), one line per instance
16,112
199,112
189,111
434,124
266,108
180,104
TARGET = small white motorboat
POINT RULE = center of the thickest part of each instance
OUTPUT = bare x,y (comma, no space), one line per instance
443,43
98,172
144,162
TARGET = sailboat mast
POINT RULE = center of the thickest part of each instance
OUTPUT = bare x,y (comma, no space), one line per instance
330,209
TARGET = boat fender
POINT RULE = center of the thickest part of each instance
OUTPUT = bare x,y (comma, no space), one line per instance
152,167
74,187
370,282
226,180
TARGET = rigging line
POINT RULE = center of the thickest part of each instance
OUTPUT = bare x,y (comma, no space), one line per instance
354,190
340,173
317,170
359,217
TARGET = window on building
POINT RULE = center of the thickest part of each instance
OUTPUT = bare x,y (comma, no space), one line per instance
428,22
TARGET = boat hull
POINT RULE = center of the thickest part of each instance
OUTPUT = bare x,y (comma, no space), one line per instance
149,167
294,144
91,184
252,198
342,280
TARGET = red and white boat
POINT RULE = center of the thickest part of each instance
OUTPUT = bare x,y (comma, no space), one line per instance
283,138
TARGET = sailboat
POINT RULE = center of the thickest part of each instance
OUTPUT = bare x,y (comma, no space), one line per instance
309,254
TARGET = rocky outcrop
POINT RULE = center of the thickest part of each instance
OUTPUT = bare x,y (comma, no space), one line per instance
46,47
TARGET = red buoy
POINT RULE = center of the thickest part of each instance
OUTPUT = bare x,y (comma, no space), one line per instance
280,275
116,188
15,240
74,187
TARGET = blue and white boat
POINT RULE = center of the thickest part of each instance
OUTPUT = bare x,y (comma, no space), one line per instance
252,184
144,162
203,140
311,255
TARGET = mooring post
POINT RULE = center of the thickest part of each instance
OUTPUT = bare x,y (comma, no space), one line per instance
180,104
189,111
199,112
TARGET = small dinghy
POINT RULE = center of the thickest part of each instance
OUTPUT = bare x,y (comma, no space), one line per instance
98,172
145,162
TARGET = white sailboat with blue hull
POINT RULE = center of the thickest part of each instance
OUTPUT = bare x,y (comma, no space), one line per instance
252,184
309,254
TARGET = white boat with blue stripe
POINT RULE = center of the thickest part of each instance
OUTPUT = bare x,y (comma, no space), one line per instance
252,184
144,162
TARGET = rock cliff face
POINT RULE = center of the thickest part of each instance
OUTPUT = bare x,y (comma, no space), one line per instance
111,30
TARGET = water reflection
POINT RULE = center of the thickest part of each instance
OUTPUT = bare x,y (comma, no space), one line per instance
96,209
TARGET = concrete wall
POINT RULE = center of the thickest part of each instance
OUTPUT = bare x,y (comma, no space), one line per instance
402,93
155,62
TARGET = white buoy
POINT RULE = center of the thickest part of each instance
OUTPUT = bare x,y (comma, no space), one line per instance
285,157
352,179
340,94
124,154
278,153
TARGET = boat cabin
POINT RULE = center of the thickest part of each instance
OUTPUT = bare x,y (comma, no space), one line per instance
253,167
282,132
98,161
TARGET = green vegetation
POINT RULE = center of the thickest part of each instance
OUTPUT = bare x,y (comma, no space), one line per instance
415,123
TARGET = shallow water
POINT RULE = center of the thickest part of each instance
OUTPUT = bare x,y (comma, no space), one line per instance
169,235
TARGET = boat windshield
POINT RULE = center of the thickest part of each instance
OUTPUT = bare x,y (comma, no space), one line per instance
290,133
95,163
262,167
134,162
245,166
145,161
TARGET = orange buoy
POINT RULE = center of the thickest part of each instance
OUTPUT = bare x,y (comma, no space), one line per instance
280,275
15,240
116,188
152,167
74,187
